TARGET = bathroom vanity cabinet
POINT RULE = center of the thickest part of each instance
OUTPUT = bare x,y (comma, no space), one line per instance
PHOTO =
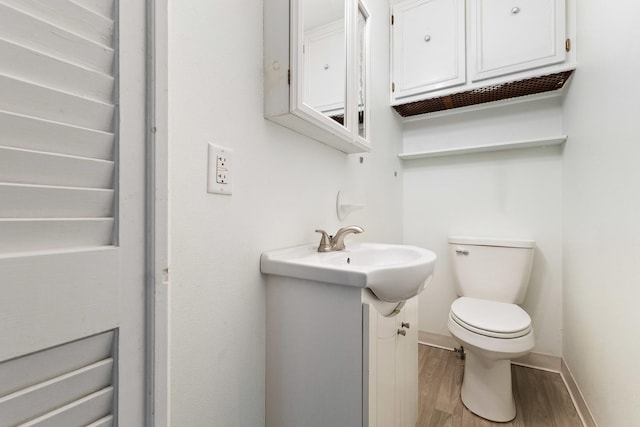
445,47
334,358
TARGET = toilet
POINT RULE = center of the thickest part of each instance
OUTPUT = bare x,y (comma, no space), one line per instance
491,279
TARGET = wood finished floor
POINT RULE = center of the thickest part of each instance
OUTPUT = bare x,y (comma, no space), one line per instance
542,399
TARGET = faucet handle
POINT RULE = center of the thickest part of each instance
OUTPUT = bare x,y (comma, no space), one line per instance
325,242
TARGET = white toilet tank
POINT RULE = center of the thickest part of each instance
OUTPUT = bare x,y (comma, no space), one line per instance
493,269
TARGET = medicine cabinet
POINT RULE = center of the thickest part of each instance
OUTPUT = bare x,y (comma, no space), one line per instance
316,70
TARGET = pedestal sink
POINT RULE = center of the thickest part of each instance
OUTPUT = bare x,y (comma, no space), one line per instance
394,273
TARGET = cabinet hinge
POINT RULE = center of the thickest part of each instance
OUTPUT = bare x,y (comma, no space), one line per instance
393,87
567,45
288,77
392,19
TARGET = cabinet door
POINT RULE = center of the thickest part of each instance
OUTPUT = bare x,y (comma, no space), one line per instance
428,46
387,413
507,36
397,368
408,345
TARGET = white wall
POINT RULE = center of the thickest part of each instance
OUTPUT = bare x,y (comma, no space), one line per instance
501,194
284,188
602,211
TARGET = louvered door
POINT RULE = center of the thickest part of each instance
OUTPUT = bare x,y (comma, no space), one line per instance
71,208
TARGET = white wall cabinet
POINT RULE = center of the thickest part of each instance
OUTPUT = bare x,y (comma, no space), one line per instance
442,47
507,36
334,359
428,45
316,70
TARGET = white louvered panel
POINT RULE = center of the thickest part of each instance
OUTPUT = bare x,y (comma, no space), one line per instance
41,102
36,167
104,422
68,15
32,66
26,371
64,386
26,30
22,405
57,125
101,7
44,234
30,201
79,413
40,135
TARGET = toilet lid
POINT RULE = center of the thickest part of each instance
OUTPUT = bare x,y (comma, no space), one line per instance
491,318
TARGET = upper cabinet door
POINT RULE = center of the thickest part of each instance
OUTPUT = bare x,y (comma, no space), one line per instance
513,35
428,46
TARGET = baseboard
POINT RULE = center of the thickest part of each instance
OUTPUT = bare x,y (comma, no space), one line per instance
532,360
545,362
436,340
576,396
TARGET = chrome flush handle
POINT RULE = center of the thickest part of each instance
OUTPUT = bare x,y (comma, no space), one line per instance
461,251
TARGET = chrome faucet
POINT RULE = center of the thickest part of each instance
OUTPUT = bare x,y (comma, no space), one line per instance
336,243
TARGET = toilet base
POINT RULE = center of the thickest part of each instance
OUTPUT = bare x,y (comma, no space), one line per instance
486,388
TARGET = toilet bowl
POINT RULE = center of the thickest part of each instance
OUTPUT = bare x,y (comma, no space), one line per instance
491,279
486,387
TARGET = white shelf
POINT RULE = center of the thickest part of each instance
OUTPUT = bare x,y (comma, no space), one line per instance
500,146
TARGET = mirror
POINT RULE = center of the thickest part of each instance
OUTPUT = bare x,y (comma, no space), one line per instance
325,57
362,63
316,70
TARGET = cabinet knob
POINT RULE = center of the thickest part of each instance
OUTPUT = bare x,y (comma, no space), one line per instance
402,332
406,325
515,10
427,38
326,66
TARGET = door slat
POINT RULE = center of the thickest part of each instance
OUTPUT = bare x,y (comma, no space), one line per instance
36,167
21,406
37,201
36,67
26,98
79,413
29,133
29,31
34,235
25,371
68,15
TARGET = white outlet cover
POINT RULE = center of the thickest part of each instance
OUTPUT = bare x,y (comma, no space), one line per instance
212,170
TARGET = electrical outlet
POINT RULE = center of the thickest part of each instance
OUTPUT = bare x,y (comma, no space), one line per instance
219,170
222,169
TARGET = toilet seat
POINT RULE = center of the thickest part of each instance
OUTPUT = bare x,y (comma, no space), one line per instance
491,318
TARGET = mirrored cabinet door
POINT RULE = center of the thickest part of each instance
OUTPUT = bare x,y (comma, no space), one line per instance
325,58
362,71
316,70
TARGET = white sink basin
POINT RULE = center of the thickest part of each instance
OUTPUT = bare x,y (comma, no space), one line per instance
393,273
